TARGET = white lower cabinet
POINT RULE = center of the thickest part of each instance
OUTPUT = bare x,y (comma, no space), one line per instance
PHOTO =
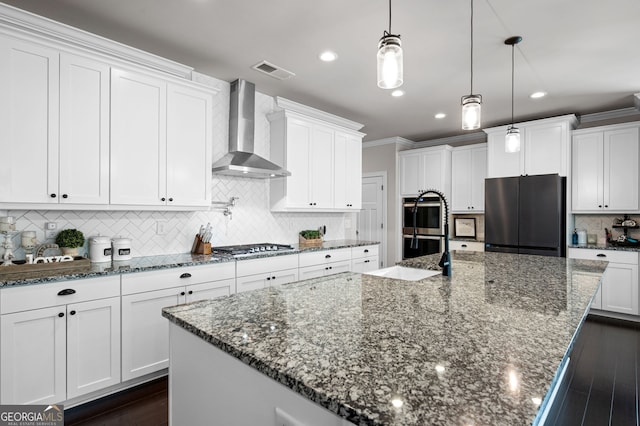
145,339
619,289
466,245
253,274
59,341
365,258
316,264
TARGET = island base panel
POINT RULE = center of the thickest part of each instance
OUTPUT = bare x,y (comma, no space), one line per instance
208,386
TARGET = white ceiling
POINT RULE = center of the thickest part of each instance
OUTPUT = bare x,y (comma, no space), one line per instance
584,53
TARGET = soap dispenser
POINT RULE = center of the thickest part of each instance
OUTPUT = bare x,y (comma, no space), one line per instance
574,237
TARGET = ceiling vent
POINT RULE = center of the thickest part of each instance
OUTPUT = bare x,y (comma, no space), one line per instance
273,70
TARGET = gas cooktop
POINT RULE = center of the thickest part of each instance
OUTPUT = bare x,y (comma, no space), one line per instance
251,249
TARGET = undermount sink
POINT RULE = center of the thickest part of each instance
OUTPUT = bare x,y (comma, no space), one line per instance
404,273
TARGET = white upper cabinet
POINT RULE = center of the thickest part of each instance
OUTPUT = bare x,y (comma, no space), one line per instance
84,131
160,142
544,148
468,171
605,164
426,168
324,159
28,122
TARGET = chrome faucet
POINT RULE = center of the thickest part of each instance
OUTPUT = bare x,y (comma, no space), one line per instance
445,260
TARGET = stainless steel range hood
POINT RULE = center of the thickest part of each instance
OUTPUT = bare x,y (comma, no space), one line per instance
241,161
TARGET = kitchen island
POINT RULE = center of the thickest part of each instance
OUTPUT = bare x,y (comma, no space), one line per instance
483,347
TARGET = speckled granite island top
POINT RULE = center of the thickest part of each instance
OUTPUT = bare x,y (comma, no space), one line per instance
480,348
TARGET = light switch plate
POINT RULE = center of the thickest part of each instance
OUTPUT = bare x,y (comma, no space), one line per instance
50,229
161,227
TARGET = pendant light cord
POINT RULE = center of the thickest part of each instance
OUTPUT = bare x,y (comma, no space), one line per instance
471,47
389,16
513,46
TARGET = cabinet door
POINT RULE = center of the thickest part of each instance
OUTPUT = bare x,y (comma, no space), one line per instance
432,172
348,172
321,166
621,169
93,346
309,272
29,78
138,139
410,170
298,163
145,333
587,184
210,290
33,361
189,144
620,288
461,180
283,277
478,175
499,162
252,282
545,149
84,131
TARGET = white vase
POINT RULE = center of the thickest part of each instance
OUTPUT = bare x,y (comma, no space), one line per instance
69,251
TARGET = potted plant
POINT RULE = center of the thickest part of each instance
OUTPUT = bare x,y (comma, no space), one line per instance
310,238
69,240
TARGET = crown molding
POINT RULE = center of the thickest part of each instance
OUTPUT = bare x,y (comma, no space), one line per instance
611,115
15,21
458,140
398,141
308,111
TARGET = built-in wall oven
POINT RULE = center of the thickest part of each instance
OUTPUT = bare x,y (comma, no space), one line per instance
429,224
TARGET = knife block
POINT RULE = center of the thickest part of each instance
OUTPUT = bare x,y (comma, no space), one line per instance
200,247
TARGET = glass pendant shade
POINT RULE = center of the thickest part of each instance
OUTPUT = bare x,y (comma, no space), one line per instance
512,139
389,62
471,112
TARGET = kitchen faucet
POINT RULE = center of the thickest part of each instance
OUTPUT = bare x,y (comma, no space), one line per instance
445,260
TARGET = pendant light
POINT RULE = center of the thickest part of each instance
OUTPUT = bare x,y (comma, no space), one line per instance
512,138
389,59
471,104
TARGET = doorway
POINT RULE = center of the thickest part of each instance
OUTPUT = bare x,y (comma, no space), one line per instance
372,218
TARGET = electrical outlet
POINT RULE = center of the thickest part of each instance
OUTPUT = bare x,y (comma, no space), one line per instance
161,227
50,229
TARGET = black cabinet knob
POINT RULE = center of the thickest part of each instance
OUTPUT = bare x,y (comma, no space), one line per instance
65,196
268,278
171,199
182,293
606,206
185,275
190,291
600,205
366,250
72,313
162,199
366,261
273,278
310,204
326,268
52,195
60,315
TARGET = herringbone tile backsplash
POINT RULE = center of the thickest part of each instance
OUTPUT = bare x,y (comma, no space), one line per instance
251,222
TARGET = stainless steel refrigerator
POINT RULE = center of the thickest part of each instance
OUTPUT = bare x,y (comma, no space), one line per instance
526,214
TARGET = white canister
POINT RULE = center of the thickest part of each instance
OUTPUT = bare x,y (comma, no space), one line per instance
582,237
100,249
121,248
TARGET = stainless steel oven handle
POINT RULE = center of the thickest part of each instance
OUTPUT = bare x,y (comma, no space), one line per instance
423,237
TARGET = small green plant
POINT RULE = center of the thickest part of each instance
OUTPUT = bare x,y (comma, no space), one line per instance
310,234
70,238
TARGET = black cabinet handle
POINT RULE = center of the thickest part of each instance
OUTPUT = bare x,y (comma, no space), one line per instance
66,292
65,196
464,245
602,255
60,315
185,275
72,313
52,195
190,291
367,261
182,293
328,256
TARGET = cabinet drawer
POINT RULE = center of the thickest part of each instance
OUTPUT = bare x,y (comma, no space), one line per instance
466,245
364,251
39,296
173,277
266,264
324,256
628,257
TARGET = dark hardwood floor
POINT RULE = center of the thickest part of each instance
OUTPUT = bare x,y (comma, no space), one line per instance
601,386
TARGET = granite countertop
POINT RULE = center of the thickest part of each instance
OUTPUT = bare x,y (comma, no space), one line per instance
149,263
482,347
605,247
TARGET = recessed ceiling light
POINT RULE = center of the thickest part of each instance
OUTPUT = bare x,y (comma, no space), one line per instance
397,93
537,95
440,115
328,56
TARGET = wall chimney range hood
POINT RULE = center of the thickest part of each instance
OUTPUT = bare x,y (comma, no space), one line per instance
241,160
